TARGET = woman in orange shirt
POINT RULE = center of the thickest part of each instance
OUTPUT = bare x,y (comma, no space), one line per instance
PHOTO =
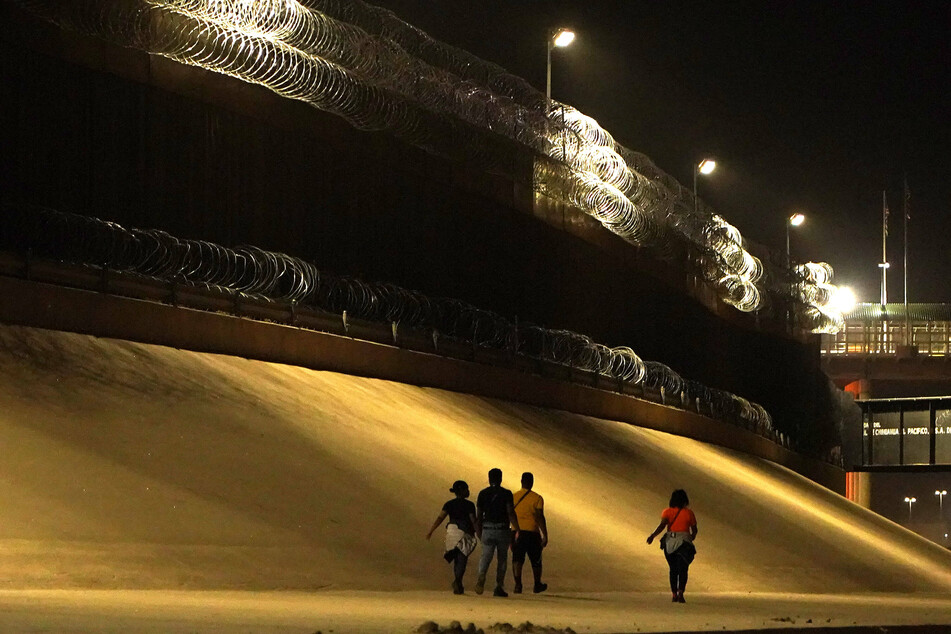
677,544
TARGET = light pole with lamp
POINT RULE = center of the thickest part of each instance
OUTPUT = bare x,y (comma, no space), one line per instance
705,167
558,38
941,495
910,502
793,221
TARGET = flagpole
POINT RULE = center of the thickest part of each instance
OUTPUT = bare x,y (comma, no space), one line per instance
905,213
884,263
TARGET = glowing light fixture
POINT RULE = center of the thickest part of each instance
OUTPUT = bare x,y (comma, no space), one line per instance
794,220
844,299
941,495
562,38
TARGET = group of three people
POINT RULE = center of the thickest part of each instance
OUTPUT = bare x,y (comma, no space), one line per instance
500,519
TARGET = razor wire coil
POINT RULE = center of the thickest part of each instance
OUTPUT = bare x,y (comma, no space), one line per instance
248,271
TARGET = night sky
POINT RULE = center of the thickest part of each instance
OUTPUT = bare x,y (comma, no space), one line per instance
807,106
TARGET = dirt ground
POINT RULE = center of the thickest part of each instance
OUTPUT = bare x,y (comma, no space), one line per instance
144,483
355,612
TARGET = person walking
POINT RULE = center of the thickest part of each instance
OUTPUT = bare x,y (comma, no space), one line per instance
677,543
494,513
533,537
460,532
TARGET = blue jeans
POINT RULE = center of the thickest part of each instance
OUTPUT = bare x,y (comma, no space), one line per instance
495,540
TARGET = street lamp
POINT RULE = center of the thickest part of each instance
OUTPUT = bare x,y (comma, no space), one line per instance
793,221
705,167
941,495
559,38
910,502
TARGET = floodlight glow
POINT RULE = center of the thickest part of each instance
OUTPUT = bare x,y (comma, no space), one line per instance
563,38
844,299
796,219
707,166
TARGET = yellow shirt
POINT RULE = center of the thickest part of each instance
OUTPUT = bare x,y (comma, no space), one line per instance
527,510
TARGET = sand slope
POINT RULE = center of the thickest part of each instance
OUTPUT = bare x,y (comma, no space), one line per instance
134,466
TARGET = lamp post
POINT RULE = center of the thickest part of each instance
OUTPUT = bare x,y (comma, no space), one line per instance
705,167
941,495
793,221
557,38
910,502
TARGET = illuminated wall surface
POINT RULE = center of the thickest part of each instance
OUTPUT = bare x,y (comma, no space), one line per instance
138,466
365,65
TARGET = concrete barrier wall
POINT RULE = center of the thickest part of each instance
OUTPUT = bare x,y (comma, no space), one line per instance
42,305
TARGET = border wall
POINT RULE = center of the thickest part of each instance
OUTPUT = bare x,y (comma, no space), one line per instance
117,134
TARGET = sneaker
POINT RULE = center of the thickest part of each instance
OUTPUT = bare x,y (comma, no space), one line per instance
480,584
540,587
673,599
680,598
457,587
499,592
517,589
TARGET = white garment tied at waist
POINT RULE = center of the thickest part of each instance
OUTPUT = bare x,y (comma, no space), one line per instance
676,539
458,538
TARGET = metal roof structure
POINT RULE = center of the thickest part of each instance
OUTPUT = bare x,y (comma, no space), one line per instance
896,312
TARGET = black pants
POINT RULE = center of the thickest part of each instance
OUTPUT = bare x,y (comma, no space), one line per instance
459,562
678,571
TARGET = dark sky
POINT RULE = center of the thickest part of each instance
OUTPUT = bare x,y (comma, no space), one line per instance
811,106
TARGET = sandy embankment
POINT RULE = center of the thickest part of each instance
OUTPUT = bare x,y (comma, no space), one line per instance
133,466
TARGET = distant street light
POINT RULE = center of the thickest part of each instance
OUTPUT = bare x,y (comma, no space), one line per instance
705,167
941,495
559,38
910,502
793,221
